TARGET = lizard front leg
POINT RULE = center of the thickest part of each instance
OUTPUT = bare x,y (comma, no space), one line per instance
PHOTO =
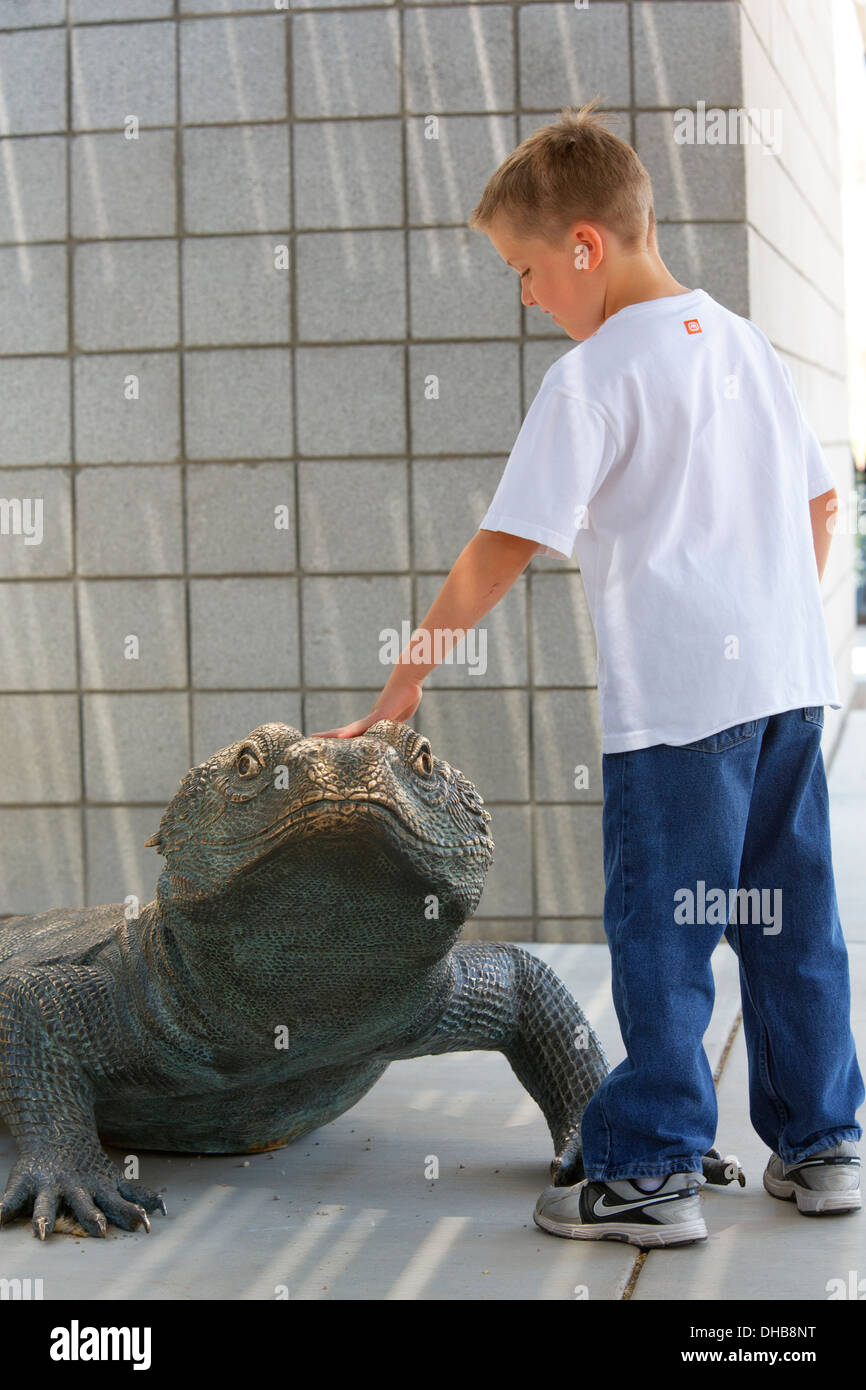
504,999
48,1025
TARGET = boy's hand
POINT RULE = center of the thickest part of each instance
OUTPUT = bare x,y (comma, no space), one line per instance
397,702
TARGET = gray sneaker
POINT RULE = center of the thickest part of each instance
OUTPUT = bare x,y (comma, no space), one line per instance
824,1182
599,1210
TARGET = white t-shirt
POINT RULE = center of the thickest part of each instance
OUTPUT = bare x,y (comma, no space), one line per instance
670,447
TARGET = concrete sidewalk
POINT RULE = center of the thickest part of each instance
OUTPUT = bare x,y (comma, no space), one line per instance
349,1213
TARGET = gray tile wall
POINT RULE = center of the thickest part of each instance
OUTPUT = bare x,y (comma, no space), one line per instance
232,317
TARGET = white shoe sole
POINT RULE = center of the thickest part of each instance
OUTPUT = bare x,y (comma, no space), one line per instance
811,1203
676,1233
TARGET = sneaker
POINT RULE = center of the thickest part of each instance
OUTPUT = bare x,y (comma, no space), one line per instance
599,1210
825,1181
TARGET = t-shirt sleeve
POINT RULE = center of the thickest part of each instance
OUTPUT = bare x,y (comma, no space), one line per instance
560,458
818,471
819,476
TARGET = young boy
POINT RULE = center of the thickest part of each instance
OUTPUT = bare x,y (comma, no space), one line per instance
671,449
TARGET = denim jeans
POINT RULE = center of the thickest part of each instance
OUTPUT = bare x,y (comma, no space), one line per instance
684,828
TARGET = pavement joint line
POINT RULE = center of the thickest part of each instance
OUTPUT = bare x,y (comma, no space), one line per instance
843,726
717,1074
640,1261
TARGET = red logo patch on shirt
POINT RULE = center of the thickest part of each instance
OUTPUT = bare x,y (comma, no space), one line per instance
692,326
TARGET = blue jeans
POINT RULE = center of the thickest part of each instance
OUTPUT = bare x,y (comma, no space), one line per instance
684,828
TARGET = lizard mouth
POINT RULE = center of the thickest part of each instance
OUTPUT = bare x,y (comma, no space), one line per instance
341,811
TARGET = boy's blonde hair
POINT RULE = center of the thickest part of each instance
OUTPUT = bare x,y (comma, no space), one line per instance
568,170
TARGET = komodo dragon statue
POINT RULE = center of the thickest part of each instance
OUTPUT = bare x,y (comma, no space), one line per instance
304,934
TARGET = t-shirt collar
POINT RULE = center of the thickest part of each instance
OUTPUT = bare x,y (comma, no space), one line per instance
663,301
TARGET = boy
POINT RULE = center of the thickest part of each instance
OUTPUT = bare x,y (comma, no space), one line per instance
670,448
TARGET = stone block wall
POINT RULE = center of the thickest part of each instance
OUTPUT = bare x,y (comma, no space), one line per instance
233,253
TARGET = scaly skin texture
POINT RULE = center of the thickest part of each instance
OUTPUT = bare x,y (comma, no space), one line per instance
303,935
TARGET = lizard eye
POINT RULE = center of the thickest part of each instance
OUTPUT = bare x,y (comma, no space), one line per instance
247,764
423,760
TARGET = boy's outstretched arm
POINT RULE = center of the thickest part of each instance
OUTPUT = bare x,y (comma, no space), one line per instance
482,574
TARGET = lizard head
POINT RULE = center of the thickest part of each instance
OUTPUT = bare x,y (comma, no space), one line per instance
326,825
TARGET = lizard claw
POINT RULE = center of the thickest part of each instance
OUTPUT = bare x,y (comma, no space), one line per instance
722,1171
82,1177
567,1167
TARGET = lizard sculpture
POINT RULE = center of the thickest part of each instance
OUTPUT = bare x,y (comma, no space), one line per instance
303,935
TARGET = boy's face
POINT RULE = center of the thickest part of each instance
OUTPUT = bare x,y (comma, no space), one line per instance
566,281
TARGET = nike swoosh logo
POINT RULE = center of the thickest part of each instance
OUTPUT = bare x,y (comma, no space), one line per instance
602,1207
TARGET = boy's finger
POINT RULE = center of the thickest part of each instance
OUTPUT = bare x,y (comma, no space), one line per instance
348,730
